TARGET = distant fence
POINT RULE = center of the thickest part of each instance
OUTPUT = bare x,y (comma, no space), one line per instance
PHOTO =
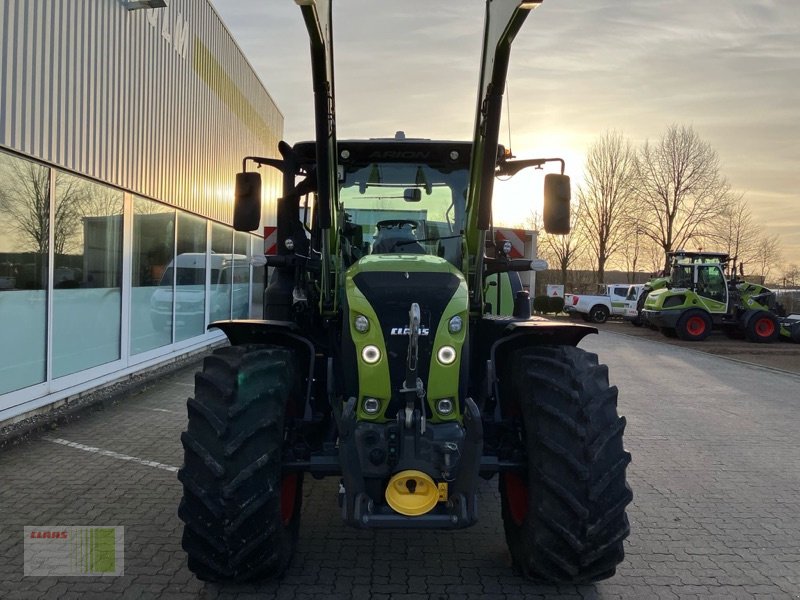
790,298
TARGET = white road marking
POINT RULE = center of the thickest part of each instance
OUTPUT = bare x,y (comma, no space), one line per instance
172,412
117,455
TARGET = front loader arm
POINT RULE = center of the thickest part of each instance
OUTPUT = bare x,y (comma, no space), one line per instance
317,17
504,19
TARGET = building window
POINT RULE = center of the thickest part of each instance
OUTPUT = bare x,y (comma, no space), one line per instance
152,278
257,289
221,271
24,246
240,291
87,275
190,277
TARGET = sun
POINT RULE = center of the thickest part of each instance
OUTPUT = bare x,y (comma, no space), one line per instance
517,198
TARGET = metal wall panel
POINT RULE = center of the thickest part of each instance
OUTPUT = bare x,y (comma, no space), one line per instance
159,102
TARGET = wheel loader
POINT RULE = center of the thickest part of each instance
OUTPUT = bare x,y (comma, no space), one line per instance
383,362
704,292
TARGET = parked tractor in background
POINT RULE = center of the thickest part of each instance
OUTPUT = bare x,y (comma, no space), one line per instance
699,296
380,361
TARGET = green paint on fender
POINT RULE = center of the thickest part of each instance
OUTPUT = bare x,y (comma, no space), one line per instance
373,380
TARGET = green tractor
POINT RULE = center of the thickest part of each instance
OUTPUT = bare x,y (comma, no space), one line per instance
381,362
698,297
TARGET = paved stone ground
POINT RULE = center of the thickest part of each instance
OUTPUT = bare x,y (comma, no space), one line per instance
716,514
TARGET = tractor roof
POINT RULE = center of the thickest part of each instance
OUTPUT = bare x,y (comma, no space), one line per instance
398,149
684,256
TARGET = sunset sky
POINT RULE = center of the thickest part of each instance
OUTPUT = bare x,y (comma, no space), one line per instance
730,69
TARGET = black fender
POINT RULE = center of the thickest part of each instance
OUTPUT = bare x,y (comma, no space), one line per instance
278,333
499,337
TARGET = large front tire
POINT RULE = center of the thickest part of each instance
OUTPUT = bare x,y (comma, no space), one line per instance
565,518
241,514
694,325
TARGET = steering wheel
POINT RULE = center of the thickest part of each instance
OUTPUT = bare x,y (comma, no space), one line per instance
389,223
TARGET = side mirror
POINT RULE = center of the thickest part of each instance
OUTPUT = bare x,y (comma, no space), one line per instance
247,202
556,204
412,195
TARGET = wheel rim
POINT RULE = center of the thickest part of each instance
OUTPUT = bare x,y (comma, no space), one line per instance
599,316
765,327
696,326
517,496
288,497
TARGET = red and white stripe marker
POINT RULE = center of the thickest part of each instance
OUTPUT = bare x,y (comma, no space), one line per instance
517,239
270,241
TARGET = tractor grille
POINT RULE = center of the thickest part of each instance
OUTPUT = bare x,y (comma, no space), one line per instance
391,295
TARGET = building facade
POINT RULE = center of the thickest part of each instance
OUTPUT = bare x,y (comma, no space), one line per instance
120,135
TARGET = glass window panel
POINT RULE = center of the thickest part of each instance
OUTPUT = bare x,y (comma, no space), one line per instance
241,275
24,245
257,297
87,275
152,276
190,278
221,275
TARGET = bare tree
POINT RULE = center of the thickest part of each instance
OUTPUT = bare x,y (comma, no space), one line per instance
734,231
791,276
26,200
633,247
766,256
607,196
561,251
681,189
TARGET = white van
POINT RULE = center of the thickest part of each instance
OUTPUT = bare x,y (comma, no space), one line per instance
230,279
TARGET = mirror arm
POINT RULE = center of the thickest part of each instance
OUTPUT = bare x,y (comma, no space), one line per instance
509,168
504,265
260,160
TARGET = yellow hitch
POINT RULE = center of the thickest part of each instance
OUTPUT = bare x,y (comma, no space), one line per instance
412,493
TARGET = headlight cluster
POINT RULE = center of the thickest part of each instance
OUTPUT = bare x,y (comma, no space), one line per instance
371,354
444,406
372,406
446,355
455,324
361,323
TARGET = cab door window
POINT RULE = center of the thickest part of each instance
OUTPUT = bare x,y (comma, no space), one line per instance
711,283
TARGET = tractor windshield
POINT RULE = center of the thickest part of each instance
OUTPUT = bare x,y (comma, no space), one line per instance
405,208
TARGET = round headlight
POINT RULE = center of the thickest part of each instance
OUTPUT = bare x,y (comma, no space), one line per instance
371,354
446,355
444,406
455,324
361,323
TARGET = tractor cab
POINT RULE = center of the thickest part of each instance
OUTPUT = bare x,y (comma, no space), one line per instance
404,196
702,273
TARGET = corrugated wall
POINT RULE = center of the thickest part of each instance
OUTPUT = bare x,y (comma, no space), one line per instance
159,102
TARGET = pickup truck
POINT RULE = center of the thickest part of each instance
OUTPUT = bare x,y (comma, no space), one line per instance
631,306
598,308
